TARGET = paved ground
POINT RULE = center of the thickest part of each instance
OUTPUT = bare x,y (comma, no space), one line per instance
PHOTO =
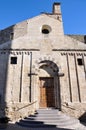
12,126
17,127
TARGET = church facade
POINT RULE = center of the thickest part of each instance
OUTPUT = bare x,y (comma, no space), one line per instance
41,67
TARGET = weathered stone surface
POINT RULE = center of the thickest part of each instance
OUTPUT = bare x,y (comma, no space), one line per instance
35,53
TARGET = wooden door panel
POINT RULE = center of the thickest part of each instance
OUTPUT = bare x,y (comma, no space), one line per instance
47,92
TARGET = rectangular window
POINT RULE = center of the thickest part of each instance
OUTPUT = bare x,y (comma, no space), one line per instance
11,35
13,60
80,61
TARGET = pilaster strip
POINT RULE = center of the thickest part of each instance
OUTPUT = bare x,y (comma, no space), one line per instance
84,65
69,78
20,93
77,78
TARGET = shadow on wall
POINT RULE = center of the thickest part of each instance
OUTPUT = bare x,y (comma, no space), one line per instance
85,39
8,59
83,119
5,35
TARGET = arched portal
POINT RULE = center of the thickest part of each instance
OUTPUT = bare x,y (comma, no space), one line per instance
49,85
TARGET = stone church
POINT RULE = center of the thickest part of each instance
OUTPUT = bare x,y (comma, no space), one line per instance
41,67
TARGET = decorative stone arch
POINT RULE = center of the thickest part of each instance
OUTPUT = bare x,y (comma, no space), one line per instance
48,68
51,70
50,61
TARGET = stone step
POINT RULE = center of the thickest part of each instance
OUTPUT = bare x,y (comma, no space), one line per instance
56,122
49,116
37,125
50,119
46,125
47,111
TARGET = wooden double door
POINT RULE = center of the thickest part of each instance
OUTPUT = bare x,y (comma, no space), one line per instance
47,97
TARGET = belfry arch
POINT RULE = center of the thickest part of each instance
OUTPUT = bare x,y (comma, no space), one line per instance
49,85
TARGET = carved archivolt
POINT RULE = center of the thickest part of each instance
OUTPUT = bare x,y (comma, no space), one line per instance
46,61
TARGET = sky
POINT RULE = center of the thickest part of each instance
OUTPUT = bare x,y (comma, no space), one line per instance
73,13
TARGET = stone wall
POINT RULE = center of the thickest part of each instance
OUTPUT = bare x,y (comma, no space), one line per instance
74,76
15,80
13,32
64,58
81,38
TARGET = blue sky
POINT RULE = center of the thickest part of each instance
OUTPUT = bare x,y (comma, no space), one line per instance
73,13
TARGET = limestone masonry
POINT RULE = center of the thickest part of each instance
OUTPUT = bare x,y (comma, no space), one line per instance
41,67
